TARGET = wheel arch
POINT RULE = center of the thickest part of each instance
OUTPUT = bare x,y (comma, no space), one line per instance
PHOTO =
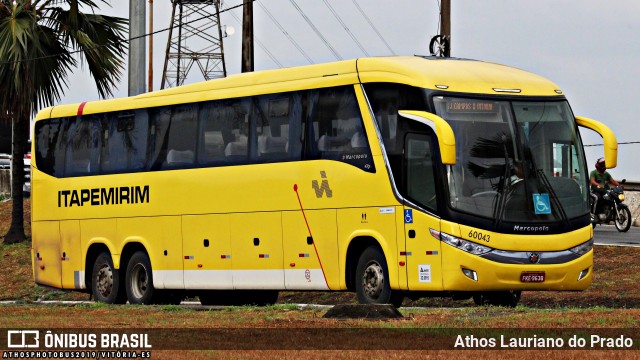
355,249
94,250
128,250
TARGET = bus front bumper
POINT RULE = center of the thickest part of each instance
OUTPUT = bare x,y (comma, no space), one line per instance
466,272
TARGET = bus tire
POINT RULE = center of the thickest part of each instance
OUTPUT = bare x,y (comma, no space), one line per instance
105,281
139,280
372,279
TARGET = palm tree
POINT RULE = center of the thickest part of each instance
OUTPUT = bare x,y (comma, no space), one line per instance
41,42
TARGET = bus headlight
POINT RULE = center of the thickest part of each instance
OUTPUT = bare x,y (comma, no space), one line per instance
465,245
582,248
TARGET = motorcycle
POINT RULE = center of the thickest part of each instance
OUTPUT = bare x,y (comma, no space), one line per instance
610,208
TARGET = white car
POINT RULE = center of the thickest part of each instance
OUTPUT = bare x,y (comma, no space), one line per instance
5,161
5,164
26,187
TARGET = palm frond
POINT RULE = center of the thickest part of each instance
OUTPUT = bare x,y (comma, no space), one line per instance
101,41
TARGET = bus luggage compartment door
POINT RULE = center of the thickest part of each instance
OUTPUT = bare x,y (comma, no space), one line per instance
256,243
207,252
310,262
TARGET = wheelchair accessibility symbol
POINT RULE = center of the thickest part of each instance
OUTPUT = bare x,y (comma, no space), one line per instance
541,204
408,216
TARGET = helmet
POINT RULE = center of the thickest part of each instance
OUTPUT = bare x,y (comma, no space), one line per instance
600,165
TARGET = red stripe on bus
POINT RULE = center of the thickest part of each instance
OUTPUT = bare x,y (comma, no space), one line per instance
81,108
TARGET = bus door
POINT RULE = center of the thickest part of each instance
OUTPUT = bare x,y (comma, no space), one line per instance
422,248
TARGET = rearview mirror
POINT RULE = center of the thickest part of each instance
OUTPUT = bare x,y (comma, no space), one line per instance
444,133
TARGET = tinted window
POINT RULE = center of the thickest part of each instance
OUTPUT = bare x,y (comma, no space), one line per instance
124,146
83,147
386,100
336,128
420,170
278,123
267,128
172,142
224,135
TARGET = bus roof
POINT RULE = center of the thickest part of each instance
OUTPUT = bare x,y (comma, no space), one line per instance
443,74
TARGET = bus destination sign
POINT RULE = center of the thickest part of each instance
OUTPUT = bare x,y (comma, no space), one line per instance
471,106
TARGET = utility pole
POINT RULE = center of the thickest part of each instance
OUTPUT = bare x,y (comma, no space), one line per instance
445,25
247,36
137,47
150,84
440,44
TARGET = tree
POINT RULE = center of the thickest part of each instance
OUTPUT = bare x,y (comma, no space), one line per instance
41,42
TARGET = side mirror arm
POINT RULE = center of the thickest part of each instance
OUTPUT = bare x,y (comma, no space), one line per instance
610,142
444,132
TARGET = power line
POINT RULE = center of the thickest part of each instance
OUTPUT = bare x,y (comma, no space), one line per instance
346,28
315,29
373,26
286,33
264,48
120,42
620,143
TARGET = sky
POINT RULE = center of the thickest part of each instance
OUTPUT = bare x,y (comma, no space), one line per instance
589,48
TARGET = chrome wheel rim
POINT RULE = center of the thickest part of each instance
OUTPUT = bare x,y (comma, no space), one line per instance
373,280
139,281
104,280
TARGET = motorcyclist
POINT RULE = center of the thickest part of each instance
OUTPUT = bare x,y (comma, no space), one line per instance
599,179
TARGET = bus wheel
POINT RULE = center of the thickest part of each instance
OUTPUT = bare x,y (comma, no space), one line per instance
105,281
372,279
139,280
497,298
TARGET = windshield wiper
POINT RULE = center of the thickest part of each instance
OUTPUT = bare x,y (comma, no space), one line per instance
504,187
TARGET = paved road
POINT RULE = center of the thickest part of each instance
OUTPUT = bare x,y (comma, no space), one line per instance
608,235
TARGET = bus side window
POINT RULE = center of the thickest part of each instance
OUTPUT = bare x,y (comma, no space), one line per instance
337,126
211,140
83,147
181,140
160,119
124,141
49,134
420,172
277,121
224,132
236,116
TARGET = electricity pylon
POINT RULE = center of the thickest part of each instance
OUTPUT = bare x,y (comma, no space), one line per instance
195,37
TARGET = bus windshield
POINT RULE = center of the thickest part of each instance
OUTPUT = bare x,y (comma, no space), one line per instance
515,160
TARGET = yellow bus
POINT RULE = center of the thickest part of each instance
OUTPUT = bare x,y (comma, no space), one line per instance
390,177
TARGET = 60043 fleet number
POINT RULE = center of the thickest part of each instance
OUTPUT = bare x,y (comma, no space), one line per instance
479,236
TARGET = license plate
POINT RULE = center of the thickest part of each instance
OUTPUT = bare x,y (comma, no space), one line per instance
532,277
